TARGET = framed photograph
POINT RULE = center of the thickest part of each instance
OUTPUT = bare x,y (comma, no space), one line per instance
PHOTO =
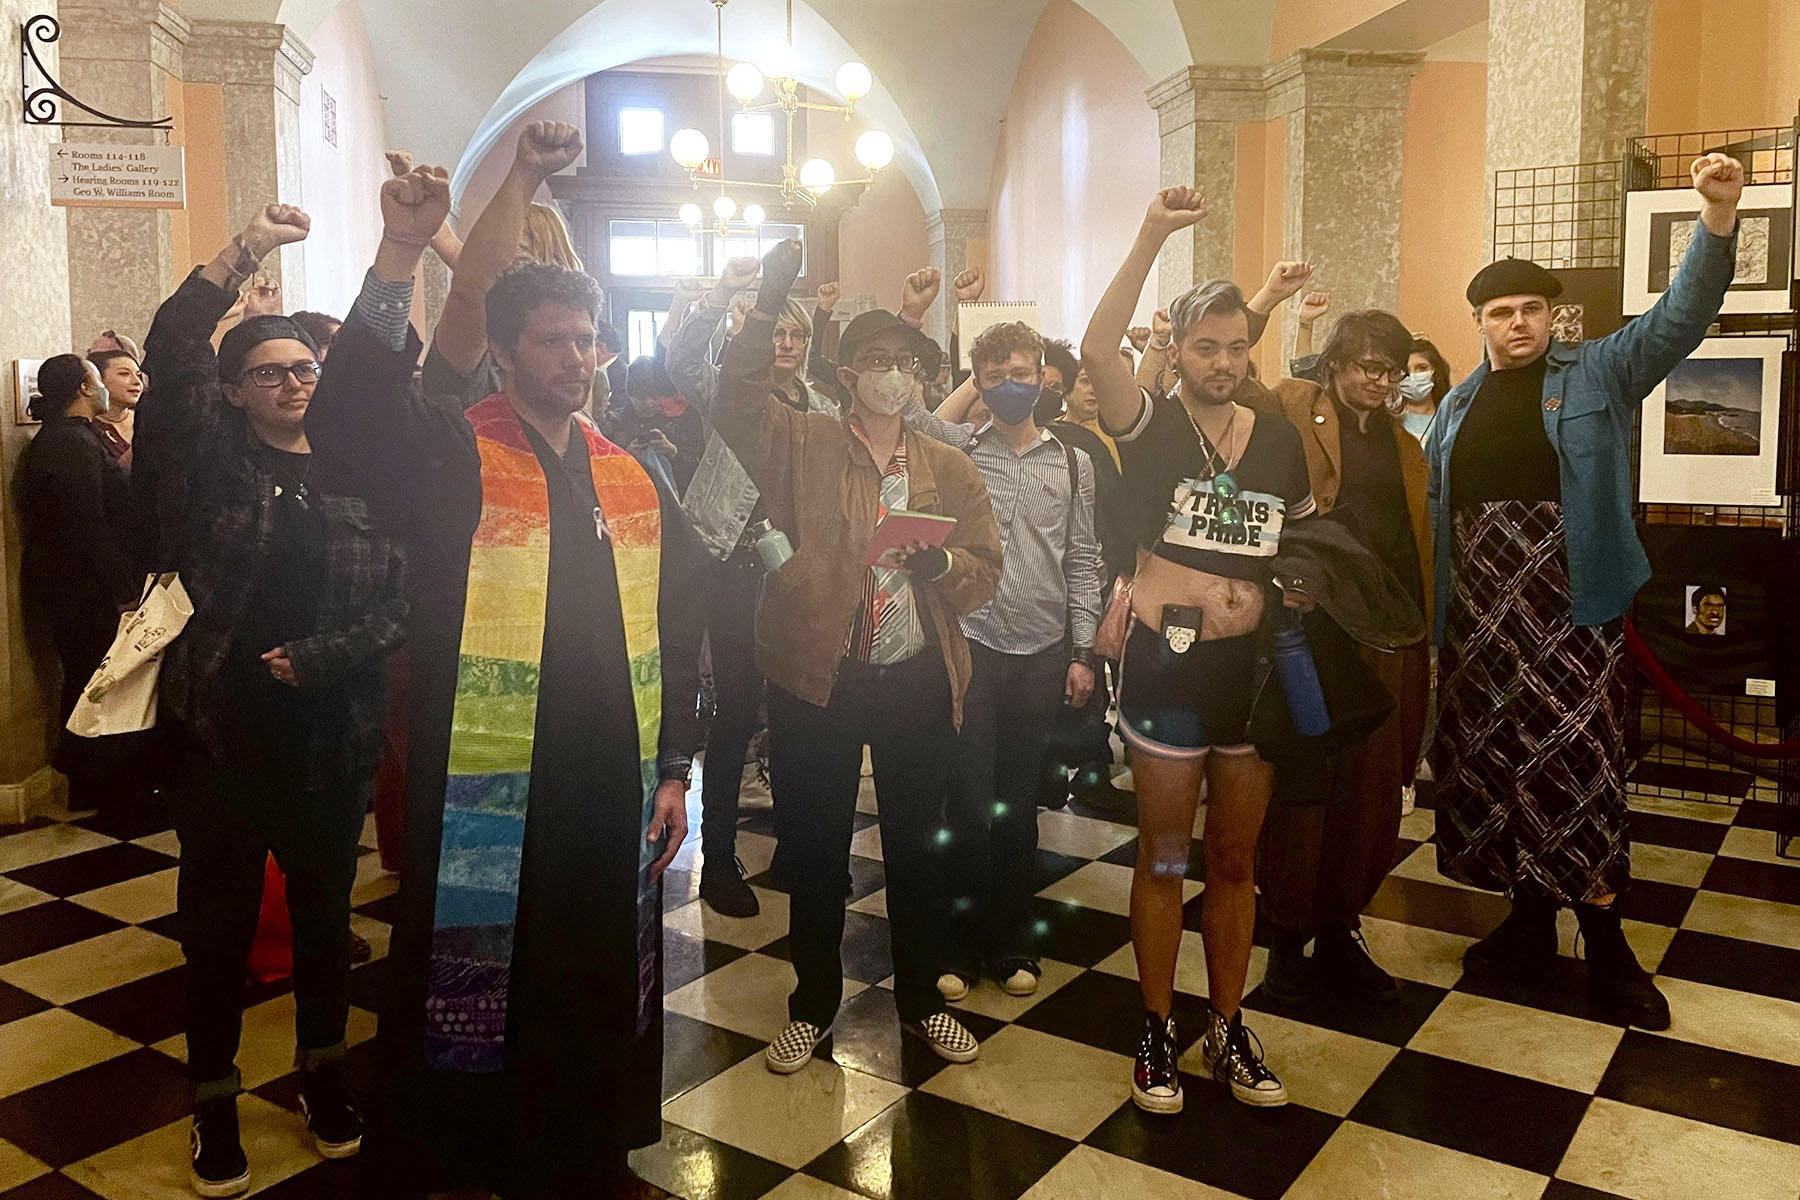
1659,227
1715,609
1707,610
1589,305
25,373
1711,430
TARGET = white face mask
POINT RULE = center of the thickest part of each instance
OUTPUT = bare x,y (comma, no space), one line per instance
1418,386
885,392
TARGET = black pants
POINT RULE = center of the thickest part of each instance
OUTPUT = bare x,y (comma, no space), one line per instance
228,824
902,714
732,589
1007,718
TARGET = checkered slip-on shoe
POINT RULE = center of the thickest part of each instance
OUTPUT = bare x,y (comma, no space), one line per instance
794,1048
946,1037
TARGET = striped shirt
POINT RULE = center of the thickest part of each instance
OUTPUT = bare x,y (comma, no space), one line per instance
886,629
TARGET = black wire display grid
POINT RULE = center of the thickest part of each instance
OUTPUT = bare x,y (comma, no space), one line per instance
1560,217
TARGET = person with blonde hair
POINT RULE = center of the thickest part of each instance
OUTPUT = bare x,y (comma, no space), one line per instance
547,240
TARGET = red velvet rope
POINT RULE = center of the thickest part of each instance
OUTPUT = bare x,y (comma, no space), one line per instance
1691,709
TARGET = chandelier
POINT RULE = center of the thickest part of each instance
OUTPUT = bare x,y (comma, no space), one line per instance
806,184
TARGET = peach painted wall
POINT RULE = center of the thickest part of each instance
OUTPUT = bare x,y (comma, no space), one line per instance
1443,205
1721,64
204,138
340,184
1078,160
882,240
567,104
175,104
1300,23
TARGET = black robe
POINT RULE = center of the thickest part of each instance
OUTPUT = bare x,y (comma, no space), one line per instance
583,1079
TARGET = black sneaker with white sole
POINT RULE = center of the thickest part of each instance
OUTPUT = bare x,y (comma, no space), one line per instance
947,1037
220,1168
1234,1055
332,1120
794,1048
1155,1080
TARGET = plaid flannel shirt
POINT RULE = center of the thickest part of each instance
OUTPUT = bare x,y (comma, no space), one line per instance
210,512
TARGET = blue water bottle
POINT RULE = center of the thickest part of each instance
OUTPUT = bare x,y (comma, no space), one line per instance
1300,680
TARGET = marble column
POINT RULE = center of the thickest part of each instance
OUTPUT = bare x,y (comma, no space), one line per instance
120,56
1568,80
258,66
1199,111
1346,124
950,231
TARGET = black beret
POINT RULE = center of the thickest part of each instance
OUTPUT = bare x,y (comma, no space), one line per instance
1513,277
235,347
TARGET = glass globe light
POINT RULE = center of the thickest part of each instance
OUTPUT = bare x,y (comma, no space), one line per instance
754,215
778,61
874,150
724,208
817,176
744,81
691,215
854,81
690,148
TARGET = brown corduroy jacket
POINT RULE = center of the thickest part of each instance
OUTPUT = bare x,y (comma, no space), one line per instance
821,487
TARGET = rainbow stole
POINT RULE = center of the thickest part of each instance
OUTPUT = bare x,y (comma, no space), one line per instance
494,721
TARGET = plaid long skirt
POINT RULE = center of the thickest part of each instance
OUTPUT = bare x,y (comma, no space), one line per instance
1529,756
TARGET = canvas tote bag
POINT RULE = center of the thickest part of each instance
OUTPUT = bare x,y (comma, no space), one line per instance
121,695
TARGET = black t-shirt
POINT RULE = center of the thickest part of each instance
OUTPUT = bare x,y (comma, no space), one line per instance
1502,451
1373,495
1175,510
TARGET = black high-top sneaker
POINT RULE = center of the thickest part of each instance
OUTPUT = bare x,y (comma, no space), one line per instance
336,1128
1522,947
1155,1081
722,889
1292,977
1343,959
1617,986
220,1168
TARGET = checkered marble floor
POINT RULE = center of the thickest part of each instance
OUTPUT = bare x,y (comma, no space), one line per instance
1451,1090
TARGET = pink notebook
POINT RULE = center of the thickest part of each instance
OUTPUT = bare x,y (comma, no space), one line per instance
899,527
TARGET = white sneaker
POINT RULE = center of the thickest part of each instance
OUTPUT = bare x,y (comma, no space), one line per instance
1409,800
794,1048
952,987
1020,983
946,1037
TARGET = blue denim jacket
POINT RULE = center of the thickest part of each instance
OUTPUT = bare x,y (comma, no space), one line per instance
1591,396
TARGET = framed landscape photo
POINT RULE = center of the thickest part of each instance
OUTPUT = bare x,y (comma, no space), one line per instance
1659,227
1711,430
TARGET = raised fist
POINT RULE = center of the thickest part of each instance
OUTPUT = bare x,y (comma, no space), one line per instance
1138,336
275,226
1314,306
780,267
414,206
262,298
1719,179
1162,330
547,147
736,275
399,162
828,296
688,290
970,286
1287,278
1174,208
920,291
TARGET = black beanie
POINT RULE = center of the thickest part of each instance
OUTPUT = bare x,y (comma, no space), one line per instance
237,344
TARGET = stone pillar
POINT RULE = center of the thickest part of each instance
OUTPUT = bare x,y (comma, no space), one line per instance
1346,123
1568,80
258,65
121,56
951,230
1199,111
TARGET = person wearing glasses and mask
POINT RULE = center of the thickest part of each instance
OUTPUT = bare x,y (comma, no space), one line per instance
276,685
1322,863
858,655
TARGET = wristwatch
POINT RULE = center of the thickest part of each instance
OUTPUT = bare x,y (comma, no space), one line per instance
1083,655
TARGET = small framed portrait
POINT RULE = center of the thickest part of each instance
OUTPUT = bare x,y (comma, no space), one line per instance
1708,609
25,386
1659,228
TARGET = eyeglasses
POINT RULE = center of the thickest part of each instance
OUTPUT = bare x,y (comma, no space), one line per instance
881,360
272,375
794,336
1376,371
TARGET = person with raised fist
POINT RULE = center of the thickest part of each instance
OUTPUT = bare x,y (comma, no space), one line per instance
859,656
1211,482
1538,561
274,689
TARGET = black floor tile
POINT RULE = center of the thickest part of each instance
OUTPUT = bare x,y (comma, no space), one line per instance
1403,850
685,959
1562,990
50,1187
1656,903
867,876
1256,1153
1733,963
1700,1083
386,910
702,1169
1561,1189
1052,867
327,1181
1474,1110
369,985
1127,856
1107,1011
1439,906
868,949
1392,1019
867,1037
1704,836
1121,811
15,1003
84,872
1759,814
130,822
49,926
1699,780
166,926
69,1119
679,888
924,1146
1758,880
147,1010
694,1052
1073,934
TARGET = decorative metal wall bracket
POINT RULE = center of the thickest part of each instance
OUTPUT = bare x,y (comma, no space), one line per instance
45,103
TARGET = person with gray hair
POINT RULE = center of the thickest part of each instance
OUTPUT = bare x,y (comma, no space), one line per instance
1210,483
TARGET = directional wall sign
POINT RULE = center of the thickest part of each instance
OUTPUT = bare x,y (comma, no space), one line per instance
95,175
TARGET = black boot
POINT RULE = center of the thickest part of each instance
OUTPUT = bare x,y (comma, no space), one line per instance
723,889
1342,959
1291,978
220,1168
1617,986
333,1121
1523,947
